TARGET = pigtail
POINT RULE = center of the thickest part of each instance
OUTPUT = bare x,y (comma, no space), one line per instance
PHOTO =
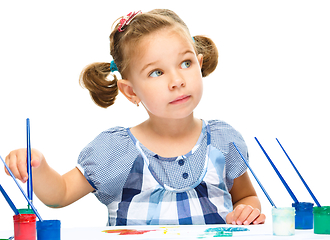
102,90
208,49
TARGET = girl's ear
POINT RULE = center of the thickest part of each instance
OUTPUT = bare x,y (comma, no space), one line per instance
126,88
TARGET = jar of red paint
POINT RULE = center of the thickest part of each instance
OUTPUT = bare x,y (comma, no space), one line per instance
25,227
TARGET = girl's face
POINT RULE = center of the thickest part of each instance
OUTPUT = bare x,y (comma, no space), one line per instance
165,75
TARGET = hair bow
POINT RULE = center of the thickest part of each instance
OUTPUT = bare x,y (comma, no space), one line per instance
126,20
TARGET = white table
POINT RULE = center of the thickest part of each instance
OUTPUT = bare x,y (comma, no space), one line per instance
176,232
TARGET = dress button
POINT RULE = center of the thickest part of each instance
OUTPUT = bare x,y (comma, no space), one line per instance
181,162
185,175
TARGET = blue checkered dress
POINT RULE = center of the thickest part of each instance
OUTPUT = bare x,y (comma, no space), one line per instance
141,187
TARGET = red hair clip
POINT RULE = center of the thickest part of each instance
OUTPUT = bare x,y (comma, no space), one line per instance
126,20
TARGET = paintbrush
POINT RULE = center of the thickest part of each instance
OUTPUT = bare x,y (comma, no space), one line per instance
302,179
20,188
248,165
28,161
9,201
278,173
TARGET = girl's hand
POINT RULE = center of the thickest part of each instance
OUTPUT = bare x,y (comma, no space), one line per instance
53,189
16,161
245,215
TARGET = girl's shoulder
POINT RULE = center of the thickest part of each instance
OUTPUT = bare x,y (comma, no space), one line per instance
112,137
113,141
221,127
222,134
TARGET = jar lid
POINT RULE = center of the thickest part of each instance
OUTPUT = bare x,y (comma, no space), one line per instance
284,211
303,206
322,210
25,211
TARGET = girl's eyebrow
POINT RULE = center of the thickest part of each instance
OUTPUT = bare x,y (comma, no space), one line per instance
149,64
186,52
155,62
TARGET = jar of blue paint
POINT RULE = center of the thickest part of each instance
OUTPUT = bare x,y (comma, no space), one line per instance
49,229
304,215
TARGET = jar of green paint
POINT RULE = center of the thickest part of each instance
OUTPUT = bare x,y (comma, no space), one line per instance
321,220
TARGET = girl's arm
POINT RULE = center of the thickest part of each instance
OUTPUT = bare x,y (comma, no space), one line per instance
50,187
247,208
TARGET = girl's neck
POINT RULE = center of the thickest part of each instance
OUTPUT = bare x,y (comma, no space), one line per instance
168,128
169,137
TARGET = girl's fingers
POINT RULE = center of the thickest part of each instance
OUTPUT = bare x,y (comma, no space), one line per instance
237,213
11,162
252,216
36,157
260,220
21,164
244,213
230,218
16,161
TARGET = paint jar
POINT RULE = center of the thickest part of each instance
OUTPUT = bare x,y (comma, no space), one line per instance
304,215
25,211
322,220
49,229
25,227
283,221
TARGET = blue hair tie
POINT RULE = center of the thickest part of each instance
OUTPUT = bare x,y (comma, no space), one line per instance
113,66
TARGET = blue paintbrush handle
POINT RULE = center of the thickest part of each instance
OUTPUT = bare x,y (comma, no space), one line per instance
11,204
278,174
28,161
302,179
248,165
20,188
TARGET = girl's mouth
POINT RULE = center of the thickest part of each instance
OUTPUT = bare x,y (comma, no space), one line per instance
181,99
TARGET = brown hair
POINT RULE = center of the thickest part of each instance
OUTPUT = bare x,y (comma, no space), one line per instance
94,76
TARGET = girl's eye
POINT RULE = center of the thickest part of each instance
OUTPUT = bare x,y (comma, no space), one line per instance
156,73
186,64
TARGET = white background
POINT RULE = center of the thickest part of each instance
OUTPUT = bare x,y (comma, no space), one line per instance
271,82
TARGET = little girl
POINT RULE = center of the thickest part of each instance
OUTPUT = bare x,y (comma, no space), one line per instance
171,169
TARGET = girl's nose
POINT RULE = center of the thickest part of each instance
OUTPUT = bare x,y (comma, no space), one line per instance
177,82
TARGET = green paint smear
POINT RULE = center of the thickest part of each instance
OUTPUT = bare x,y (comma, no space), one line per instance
227,229
223,234
54,206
